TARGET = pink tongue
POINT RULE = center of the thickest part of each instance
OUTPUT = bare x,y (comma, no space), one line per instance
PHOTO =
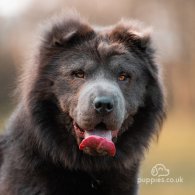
99,141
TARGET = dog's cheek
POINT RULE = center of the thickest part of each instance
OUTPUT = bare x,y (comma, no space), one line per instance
63,106
72,103
131,107
65,102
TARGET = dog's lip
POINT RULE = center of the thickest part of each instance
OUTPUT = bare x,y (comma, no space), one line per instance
81,132
98,141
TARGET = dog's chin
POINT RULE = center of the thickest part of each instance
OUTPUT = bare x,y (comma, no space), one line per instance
98,141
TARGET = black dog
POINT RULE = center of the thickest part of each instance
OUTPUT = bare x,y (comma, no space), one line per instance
90,102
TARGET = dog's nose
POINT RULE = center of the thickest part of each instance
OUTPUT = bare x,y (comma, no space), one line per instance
103,104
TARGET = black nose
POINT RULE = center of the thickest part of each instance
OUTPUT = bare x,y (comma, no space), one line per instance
103,104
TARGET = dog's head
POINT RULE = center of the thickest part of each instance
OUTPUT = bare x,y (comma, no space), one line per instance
104,80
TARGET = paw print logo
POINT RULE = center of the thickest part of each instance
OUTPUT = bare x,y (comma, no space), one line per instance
160,170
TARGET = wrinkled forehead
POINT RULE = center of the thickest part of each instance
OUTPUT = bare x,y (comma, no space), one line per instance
113,53
101,52
107,49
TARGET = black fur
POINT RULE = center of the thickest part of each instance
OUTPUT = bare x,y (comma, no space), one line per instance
39,153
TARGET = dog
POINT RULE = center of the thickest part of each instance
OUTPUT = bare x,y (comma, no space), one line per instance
89,104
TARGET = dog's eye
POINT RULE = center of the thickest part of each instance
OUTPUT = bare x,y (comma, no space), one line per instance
123,76
79,74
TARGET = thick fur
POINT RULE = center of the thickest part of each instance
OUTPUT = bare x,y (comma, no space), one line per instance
39,153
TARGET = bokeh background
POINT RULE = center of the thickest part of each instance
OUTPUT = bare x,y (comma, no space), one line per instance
173,22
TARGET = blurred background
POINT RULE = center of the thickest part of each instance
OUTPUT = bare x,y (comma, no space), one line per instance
173,22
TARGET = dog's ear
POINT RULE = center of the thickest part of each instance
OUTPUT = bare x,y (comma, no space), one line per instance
132,34
66,29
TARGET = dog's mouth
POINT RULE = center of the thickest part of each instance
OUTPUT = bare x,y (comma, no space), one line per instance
98,141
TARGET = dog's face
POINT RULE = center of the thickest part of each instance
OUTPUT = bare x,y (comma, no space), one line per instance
100,80
105,80
99,91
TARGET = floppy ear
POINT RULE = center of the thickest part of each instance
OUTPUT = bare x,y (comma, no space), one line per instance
132,34
137,39
65,30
